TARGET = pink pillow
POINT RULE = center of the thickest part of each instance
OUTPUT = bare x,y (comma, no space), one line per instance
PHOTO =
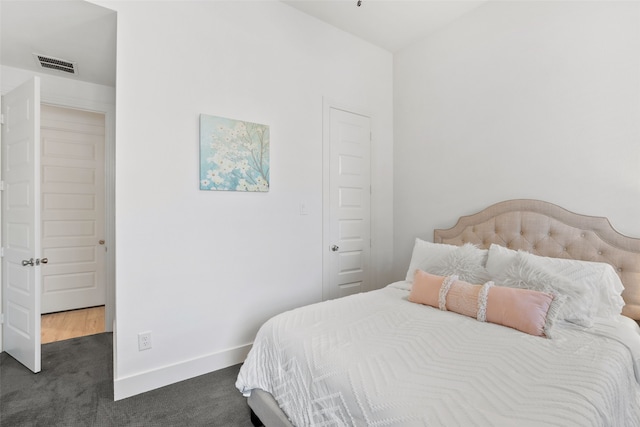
522,309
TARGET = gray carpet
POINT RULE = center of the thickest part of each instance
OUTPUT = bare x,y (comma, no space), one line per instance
75,388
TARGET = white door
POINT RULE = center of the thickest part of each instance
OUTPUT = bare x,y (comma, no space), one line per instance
21,223
72,162
350,204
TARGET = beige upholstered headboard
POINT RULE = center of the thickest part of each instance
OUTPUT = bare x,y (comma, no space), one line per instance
546,229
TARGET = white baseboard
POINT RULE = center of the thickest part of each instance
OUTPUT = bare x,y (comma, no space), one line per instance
150,380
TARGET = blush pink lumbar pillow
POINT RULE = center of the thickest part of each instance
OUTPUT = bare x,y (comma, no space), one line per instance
522,309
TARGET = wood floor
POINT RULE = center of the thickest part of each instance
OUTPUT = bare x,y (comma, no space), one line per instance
72,324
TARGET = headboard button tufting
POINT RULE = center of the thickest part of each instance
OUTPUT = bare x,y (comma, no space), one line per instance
555,232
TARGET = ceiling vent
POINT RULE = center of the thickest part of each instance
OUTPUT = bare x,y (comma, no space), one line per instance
56,63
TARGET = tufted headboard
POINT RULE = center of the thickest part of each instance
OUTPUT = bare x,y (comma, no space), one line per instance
548,230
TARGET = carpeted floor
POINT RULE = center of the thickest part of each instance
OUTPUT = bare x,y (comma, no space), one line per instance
75,388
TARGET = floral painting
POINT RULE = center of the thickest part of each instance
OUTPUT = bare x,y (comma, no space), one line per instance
234,155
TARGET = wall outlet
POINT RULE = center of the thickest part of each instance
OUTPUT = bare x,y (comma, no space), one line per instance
144,341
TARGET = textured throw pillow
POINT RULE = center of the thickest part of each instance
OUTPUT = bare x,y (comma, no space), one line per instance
524,273
426,254
466,262
526,310
443,259
598,279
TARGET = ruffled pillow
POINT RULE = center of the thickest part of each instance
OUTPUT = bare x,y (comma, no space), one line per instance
466,262
438,258
525,273
526,310
598,279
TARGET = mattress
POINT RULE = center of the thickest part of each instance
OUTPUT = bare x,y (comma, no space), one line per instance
375,359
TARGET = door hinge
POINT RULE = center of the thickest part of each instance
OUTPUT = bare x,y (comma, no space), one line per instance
1,318
1,185
1,252
1,119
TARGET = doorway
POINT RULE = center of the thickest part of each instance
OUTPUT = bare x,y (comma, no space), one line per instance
23,229
54,28
72,204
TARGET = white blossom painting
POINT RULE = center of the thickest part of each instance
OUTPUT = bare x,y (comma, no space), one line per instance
234,155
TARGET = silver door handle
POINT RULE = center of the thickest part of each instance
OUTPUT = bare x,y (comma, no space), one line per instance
335,248
44,260
25,262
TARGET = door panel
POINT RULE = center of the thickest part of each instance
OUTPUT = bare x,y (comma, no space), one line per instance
350,201
21,223
72,208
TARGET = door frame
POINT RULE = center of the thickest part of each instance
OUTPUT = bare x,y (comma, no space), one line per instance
327,105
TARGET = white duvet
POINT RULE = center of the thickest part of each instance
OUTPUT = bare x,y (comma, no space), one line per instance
375,359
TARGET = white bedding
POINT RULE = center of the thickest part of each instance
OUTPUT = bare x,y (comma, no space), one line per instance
375,359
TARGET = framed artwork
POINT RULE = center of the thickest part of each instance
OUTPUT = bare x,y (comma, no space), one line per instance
234,155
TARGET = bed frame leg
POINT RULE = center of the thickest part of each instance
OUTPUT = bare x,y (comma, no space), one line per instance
255,420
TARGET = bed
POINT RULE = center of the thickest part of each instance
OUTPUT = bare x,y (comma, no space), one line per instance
389,358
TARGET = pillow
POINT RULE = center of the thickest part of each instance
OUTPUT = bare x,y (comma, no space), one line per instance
599,279
526,310
440,258
523,273
466,262
425,254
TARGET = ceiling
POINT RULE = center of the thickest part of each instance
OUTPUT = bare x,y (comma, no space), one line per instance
85,33
72,30
390,24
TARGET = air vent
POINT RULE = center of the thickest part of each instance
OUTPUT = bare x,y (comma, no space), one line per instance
56,63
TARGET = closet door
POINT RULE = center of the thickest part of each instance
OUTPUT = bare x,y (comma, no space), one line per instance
72,144
348,249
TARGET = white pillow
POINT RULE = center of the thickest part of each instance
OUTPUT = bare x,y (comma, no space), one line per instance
523,272
426,254
439,258
499,258
466,262
600,279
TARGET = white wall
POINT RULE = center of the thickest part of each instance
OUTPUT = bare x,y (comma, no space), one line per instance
519,100
203,270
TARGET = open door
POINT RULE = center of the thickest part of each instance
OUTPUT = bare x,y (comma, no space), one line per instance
21,223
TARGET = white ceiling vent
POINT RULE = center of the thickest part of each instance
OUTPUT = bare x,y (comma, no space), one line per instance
56,63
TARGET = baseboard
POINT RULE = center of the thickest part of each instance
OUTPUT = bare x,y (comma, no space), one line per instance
150,380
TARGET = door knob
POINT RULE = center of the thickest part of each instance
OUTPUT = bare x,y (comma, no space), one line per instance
335,248
44,260
25,262
101,242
